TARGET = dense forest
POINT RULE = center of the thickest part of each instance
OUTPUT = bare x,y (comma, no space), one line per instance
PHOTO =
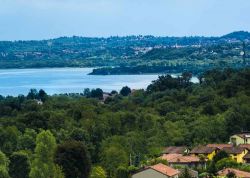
175,53
81,135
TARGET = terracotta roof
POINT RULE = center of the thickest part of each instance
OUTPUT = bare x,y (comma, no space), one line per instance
247,146
237,172
202,150
178,158
166,170
170,156
175,149
234,150
219,146
185,159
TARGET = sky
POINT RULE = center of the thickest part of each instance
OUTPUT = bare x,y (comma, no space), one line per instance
45,19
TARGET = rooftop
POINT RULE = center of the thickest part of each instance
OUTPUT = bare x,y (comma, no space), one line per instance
237,172
234,150
247,146
203,150
174,149
166,170
178,158
243,135
219,146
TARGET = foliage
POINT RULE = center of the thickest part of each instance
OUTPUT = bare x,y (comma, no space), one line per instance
4,166
74,159
43,166
133,54
128,131
212,169
185,173
220,155
125,91
19,165
226,163
98,172
231,175
122,172
112,158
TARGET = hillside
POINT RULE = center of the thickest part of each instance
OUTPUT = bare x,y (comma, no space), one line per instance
125,51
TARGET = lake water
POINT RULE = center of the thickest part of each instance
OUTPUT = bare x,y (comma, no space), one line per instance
66,80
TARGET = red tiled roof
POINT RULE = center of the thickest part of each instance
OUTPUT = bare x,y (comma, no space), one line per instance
202,150
237,172
178,158
175,149
185,159
234,150
219,146
166,170
168,157
247,146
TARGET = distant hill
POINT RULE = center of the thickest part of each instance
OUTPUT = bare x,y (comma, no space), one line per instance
196,51
239,35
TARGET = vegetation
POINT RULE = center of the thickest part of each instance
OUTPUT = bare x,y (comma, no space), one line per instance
131,54
58,137
74,159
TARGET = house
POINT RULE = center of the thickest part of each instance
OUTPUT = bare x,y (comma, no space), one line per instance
39,102
208,152
183,161
175,150
236,153
242,138
238,173
219,146
247,146
157,171
246,158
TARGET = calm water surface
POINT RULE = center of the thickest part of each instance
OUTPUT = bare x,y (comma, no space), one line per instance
65,80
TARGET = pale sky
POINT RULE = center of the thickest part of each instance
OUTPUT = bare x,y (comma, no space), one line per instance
43,19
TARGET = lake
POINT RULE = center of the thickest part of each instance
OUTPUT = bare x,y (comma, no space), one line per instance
66,80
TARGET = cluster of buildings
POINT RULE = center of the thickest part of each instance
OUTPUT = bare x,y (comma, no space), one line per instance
238,149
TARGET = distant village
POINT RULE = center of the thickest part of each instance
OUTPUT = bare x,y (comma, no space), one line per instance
179,158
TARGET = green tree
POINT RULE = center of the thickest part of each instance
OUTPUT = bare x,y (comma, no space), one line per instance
122,172
231,175
97,93
220,155
125,91
74,159
112,158
43,164
8,139
33,94
4,166
19,165
226,163
185,173
212,170
27,140
42,95
98,172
